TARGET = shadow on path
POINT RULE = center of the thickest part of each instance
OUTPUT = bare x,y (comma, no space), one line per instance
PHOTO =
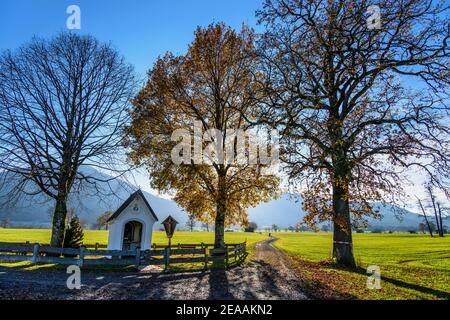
219,288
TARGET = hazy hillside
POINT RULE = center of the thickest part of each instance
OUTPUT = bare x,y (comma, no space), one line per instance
287,211
284,212
36,211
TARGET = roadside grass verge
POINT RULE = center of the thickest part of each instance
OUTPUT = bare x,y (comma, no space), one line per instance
412,266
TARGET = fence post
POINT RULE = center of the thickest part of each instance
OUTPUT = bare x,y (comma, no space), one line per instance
81,257
138,256
205,252
35,253
226,256
166,258
237,253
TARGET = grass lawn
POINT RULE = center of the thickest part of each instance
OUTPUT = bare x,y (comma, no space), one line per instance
43,236
159,237
412,266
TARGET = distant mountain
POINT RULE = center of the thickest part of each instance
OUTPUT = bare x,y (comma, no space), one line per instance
35,212
287,211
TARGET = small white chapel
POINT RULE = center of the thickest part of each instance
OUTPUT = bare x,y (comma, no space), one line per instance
131,225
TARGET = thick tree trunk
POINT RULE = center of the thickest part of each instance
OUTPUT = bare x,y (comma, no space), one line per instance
59,222
342,236
342,233
219,239
219,228
340,175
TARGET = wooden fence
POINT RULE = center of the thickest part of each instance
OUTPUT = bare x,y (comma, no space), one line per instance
158,255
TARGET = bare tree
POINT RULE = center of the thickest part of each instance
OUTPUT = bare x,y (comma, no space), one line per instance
190,223
358,105
422,227
5,223
435,206
102,220
63,106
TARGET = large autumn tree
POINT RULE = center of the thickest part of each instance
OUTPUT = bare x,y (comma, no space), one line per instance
361,99
213,88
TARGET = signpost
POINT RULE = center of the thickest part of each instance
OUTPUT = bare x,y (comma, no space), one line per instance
170,225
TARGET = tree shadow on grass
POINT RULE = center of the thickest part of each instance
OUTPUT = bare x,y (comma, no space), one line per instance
403,284
317,290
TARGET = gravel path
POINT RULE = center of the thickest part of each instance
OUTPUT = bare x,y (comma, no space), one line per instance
266,276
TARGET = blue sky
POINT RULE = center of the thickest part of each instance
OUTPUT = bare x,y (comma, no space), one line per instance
140,29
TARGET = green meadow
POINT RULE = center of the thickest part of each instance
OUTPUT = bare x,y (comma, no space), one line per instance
412,266
159,237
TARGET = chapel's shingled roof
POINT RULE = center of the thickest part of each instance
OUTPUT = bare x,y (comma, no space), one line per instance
128,201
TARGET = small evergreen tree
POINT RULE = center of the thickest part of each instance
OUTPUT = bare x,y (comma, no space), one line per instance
74,233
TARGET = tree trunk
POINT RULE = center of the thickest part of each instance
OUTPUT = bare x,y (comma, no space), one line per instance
440,220
59,222
426,219
219,228
342,235
438,225
428,225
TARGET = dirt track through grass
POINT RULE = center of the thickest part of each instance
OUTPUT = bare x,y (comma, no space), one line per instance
264,277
